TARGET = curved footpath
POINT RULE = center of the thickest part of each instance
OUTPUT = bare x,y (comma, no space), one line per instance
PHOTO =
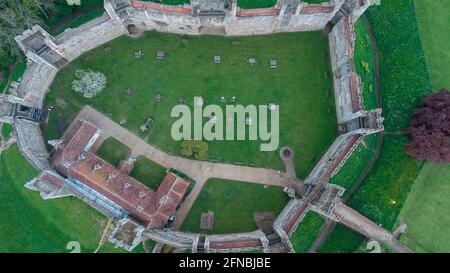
200,171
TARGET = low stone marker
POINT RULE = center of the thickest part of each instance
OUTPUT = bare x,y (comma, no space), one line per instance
273,64
207,220
251,61
160,55
138,54
158,97
129,91
217,59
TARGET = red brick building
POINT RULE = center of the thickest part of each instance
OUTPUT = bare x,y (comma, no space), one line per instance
110,187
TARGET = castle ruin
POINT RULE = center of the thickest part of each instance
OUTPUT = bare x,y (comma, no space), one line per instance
47,54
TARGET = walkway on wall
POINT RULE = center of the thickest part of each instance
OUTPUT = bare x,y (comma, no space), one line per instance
353,219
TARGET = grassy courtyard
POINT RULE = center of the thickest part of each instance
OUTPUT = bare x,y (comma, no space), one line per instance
30,224
113,151
307,118
233,204
148,172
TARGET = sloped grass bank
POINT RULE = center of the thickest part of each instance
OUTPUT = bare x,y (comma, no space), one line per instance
404,81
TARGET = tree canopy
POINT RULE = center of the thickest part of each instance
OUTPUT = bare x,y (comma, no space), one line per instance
15,17
430,129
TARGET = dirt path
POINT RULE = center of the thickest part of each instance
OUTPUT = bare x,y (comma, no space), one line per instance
5,144
106,231
200,171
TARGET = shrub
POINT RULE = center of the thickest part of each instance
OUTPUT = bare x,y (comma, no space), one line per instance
195,148
365,66
88,83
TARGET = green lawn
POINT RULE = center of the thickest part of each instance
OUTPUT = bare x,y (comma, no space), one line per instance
341,240
254,4
426,210
384,191
233,204
148,172
434,29
354,166
7,130
306,233
113,151
16,75
403,70
297,85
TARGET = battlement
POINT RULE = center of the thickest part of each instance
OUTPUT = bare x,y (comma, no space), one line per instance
47,54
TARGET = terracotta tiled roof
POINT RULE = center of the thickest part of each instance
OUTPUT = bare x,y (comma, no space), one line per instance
145,205
50,177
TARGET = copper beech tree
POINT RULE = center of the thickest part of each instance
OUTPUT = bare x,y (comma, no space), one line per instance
430,129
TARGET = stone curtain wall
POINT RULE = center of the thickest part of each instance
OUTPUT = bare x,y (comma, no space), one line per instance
212,243
31,143
35,83
286,16
74,42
